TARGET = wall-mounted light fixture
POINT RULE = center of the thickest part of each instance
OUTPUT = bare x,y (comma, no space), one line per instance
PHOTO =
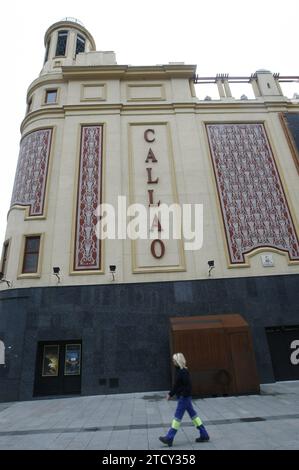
211,265
56,272
112,268
9,283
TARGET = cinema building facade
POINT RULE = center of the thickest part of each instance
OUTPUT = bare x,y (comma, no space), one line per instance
81,315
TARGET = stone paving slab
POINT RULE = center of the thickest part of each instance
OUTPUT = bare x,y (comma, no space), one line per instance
135,421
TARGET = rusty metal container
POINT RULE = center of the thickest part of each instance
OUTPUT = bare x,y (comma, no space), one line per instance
219,353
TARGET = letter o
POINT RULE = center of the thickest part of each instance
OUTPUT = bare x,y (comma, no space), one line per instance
146,137
153,248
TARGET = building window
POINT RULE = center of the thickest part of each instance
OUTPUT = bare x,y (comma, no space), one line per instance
47,51
61,43
51,96
29,105
4,257
31,255
80,44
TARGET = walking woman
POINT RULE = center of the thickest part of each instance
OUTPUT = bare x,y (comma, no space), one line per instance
182,388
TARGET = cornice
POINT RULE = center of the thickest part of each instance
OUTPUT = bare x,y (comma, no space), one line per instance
127,72
252,105
55,113
45,80
203,107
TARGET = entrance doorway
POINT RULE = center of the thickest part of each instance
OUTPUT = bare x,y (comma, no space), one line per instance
58,368
219,352
284,349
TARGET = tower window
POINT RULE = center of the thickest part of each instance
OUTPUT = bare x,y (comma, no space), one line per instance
31,255
61,43
29,105
47,51
80,44
51,96
4,257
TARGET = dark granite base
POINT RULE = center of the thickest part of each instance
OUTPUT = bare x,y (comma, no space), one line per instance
124,327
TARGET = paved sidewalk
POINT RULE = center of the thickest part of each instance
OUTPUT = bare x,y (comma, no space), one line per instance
134,421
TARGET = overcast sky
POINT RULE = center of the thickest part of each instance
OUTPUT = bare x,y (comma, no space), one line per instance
219,36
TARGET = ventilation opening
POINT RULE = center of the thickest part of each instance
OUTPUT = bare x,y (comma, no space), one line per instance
113,383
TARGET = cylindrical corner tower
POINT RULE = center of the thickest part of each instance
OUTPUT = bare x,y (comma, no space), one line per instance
45,187
63,41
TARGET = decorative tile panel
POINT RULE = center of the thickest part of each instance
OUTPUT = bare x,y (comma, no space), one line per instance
31,175
87,245
290,123
254,207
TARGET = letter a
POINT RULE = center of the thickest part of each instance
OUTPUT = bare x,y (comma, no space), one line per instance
151,156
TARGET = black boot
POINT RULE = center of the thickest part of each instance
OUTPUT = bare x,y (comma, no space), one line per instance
202,439
204,436
166,441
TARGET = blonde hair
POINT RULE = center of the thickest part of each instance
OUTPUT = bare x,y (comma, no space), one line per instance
179,360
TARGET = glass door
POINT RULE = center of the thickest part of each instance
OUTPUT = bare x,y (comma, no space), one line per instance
58,368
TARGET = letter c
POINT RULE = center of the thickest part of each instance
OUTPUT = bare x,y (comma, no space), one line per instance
146,137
